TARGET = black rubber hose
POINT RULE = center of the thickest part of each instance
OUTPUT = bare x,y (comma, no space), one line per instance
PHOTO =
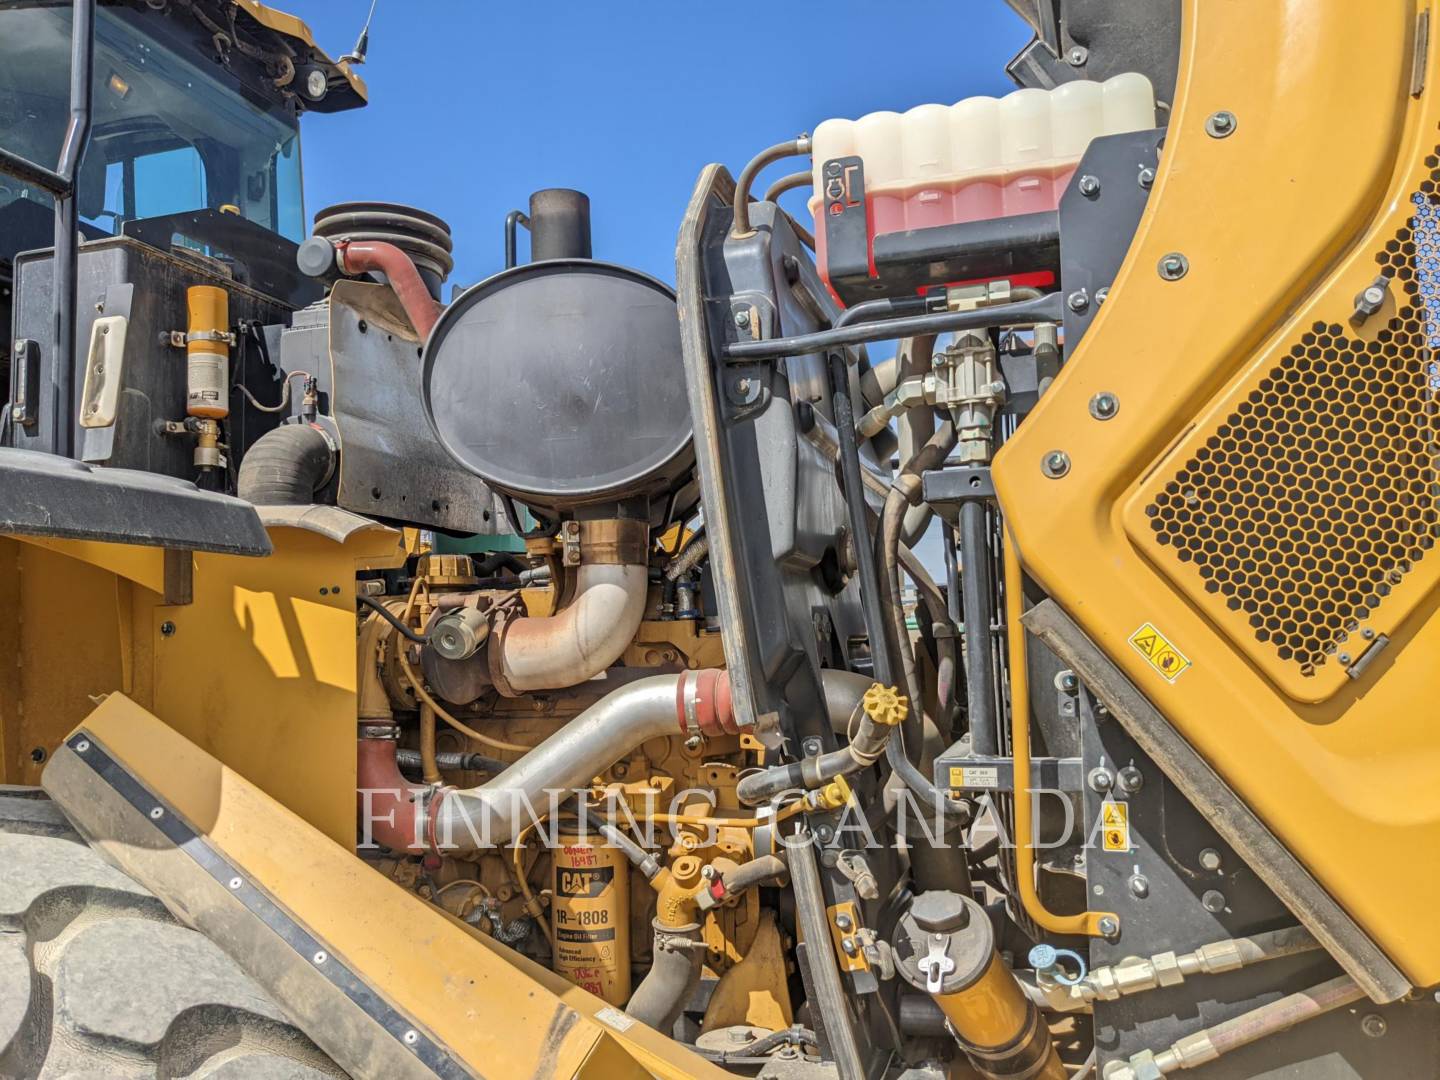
979,613
771,154
669,985
452,759
286,466
761,870
501,560
385,613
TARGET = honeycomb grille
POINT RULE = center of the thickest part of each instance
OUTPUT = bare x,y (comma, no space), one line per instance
1316,496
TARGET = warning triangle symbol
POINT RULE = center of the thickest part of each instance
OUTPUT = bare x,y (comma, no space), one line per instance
1146,644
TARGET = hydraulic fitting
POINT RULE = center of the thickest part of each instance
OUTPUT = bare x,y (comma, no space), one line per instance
945,945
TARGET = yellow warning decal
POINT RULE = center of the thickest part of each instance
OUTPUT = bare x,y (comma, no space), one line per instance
1155,647
1115,825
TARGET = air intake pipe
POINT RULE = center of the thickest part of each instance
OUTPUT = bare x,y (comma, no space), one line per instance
410,817
287,466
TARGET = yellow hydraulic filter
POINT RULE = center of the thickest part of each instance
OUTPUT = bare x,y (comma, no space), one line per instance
946,947
207,352
590,884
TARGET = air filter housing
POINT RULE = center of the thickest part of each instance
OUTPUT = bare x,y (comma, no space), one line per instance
560,383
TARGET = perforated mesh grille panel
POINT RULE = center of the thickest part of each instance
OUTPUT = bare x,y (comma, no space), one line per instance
1317,495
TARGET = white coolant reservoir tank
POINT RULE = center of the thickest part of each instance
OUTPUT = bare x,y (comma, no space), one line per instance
982,157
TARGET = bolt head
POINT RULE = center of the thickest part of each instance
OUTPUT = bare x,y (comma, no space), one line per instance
1055,464
1375,295
848,946
1077,55
1078,301
1374,1025
167,628
1213,901
1109,926
1089,185
1174,266
693,743
1140,886
1101,780
1210,859
742,319
1220,124
1131,779
1146,177
1104,405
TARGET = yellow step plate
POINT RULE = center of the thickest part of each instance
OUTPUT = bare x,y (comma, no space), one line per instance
385,983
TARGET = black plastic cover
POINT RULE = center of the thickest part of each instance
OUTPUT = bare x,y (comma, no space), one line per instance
48,495
561,383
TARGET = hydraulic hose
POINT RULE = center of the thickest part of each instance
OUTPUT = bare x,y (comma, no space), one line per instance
791,148
287,466
788,183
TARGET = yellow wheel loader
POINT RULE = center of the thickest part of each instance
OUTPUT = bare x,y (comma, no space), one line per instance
544,682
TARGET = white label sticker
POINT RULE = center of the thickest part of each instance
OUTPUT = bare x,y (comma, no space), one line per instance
618,1020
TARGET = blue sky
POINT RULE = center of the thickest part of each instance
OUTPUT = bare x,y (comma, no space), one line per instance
475,104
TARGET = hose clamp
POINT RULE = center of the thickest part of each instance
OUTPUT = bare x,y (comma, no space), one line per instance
224,336
388,732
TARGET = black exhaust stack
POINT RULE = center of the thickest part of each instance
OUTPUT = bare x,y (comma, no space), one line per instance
559,224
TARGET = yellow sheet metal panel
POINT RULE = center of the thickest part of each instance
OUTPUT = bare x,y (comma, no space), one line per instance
1281,223
503,1014
62,620
260,669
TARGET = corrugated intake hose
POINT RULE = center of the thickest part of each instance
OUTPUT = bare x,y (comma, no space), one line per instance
286,466
674,975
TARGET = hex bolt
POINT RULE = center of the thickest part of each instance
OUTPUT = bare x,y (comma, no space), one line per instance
1102,294
1077,55
1100,780
811,746
167,628
1067,681
1146,177
1174,266
742,387
1131,779
693,743
1055,464
1140,886
824,833
1078,301
742,319
848,946
1109,926
844,922
1089,186
1210,859
1374,1025
1221,124
1213,901
1104,405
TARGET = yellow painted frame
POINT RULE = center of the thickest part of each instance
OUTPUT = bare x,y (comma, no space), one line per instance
259,670
1274,219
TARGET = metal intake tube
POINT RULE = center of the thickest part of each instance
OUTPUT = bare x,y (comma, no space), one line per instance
691,702
583,639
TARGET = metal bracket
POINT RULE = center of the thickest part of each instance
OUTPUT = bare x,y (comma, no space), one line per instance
947,489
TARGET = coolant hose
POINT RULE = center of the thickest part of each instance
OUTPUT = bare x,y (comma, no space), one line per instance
286,466
674,974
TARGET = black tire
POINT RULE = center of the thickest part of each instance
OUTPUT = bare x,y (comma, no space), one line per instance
97,980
